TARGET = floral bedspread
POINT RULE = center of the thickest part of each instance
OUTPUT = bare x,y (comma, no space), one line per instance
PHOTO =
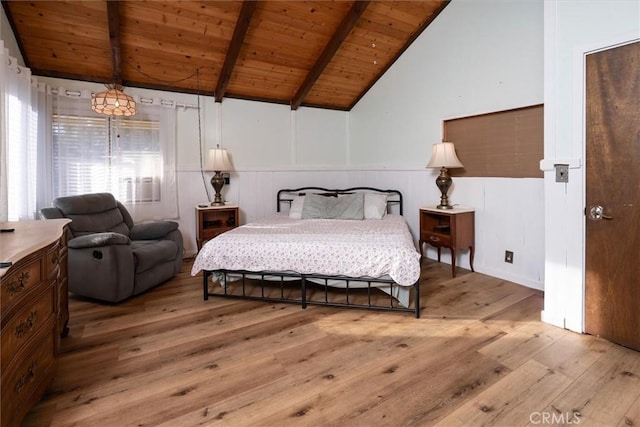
354,248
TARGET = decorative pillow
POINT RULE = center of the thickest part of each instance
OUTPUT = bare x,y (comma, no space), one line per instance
375,205
345,207
295,211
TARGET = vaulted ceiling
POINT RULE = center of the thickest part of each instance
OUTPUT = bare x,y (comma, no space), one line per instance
311,53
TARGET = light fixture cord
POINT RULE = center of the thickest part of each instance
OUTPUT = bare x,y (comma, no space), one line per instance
204,180
135,68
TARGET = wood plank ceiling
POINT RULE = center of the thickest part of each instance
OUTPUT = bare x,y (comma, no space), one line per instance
313,53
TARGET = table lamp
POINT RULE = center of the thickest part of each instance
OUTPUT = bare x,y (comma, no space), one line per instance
218,162
444,157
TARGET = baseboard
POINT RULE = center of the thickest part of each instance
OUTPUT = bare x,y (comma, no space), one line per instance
520,280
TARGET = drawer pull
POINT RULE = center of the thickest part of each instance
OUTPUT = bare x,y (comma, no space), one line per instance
18,285
25,327
54,258
434,238
26,378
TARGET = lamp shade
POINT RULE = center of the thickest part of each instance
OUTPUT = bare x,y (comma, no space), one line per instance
218,160
444,156
113,102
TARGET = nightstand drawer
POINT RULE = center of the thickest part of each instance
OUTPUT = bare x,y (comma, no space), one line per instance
437,239
210,234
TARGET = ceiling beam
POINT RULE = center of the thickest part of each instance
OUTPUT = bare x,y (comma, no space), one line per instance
242,25
113,15
348,22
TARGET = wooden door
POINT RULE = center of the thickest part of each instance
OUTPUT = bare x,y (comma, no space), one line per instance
612,288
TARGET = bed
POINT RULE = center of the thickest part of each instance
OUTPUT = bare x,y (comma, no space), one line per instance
344,248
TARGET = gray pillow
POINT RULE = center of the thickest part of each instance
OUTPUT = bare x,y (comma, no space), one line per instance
349,206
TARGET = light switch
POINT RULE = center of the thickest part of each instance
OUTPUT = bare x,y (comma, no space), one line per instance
562,173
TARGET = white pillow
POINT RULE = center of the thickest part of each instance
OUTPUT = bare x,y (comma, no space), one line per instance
375,205
295,211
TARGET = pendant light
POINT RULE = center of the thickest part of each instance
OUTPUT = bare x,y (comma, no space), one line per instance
113,102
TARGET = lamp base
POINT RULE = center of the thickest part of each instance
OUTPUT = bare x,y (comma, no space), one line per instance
217,182
444,207
443,181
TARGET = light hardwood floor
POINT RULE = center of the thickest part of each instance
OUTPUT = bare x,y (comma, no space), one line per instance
479,355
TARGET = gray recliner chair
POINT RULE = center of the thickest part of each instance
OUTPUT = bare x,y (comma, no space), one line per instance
110,258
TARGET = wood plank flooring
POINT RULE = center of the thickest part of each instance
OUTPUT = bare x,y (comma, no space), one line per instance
479,355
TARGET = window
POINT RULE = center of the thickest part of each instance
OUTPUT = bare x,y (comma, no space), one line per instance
131,158
140,162
106,154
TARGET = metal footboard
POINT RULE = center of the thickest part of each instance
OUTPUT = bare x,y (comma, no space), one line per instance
265,293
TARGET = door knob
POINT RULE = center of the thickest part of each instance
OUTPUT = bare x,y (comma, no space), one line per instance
596,213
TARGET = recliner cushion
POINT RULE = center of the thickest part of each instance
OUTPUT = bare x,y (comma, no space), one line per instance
86,203
92,213
152,230
149,253
98,239
103,222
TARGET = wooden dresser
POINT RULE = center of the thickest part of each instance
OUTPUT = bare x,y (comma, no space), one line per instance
34,311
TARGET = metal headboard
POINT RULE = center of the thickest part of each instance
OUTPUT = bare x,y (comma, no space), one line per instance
394,197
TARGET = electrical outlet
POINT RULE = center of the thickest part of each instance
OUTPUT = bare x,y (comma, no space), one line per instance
508,257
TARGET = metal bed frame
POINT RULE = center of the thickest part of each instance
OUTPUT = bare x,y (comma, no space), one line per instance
286,196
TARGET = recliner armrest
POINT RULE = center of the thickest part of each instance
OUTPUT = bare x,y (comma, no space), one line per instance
152,230
98,239
51,213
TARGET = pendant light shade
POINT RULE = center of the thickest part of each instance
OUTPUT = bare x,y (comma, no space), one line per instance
113,102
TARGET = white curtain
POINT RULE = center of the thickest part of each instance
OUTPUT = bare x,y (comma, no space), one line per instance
21,120
4,70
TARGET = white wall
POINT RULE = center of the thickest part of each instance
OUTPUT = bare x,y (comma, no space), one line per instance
476,57
572,28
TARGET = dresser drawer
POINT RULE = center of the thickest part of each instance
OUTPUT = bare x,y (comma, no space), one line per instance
25,382
25,324
437,239
52,260
18,283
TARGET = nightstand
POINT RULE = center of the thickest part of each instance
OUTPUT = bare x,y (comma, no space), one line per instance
214,220
448,228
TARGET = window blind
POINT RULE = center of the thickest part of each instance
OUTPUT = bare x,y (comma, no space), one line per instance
96,154
81,155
